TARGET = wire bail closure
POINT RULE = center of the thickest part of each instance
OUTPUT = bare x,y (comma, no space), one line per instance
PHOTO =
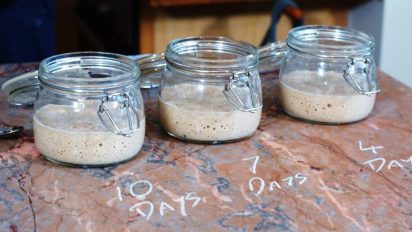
126,104
243,80
351,69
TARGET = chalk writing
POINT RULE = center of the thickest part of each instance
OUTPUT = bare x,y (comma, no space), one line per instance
408,160
141,196
289,179
273,184
392,163
260,183
378,163
163,206
253,168
147,208
370,162
119,193
372,148
182,202
139,211
190,197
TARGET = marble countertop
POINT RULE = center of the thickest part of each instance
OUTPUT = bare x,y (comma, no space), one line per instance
290,176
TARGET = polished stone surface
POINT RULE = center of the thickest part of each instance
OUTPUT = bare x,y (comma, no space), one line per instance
315,177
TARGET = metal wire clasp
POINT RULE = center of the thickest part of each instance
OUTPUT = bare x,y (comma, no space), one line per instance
243,80
371,84
110,124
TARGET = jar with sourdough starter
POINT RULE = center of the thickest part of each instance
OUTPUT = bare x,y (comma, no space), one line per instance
89,109
328,74
210,91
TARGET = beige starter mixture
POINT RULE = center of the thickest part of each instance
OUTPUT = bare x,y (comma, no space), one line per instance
328,99
80,138
202,113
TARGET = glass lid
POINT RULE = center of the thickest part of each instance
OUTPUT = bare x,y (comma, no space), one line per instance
22,90
271,56
151,66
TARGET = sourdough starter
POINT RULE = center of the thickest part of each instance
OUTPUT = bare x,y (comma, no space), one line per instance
80,138
202,113
330,99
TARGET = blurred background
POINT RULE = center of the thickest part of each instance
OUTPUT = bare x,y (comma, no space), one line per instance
32,30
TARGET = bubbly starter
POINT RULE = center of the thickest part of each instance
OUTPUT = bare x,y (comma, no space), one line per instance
80,138
202,113
303,94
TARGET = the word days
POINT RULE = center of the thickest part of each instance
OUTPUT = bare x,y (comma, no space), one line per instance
147,208
273,185
379,163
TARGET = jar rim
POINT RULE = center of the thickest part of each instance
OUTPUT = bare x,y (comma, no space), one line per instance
183,53
271,56
330,41
68,72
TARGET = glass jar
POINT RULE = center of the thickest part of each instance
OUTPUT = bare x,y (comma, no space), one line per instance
210,91
271,57
151,66
328,75
89,109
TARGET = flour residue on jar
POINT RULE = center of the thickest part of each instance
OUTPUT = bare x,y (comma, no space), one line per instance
327,98
202,113
64,135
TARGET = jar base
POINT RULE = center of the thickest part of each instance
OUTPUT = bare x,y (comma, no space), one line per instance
72,165
213,142
323,123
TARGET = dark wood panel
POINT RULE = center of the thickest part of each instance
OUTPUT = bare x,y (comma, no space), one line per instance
301,3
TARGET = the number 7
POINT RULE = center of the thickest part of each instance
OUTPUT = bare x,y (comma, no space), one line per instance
253,169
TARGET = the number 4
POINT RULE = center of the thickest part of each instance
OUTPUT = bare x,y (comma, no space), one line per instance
373,148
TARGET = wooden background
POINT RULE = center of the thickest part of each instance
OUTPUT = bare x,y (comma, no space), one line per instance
131,26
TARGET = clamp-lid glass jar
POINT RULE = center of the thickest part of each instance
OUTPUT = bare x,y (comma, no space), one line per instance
89,109
210,91
328,75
